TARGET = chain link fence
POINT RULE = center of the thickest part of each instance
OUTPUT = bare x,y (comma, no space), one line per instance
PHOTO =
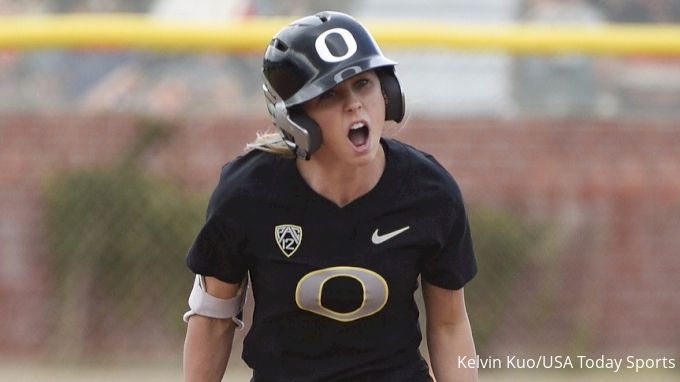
117,236
118,239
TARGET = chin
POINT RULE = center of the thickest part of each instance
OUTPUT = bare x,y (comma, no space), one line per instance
368,155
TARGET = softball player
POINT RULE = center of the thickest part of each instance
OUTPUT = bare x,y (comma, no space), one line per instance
332,224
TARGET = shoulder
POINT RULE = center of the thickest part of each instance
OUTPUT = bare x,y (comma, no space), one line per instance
421,168
249,177
252,166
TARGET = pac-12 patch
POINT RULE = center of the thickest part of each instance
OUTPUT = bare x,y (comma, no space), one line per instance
288,237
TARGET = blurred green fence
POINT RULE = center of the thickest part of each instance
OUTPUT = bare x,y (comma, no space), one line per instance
118,239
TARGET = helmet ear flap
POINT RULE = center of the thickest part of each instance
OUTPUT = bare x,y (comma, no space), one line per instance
395,107
303,121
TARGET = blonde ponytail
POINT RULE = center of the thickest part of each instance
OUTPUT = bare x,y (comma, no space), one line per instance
272,143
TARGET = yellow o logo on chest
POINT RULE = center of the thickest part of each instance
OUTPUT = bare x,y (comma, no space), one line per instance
310,288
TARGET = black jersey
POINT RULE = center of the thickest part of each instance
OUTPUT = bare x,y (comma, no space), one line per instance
334,286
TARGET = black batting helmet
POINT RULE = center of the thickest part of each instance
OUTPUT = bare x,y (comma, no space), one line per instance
311,56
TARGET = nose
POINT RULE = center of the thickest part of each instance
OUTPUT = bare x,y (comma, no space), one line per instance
352,102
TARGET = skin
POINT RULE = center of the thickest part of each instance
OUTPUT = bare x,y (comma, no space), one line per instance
448,333
342,172
339,170
207,345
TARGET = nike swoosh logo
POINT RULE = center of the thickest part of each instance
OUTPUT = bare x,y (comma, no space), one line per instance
378,239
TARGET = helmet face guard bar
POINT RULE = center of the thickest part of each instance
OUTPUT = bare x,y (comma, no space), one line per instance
296,130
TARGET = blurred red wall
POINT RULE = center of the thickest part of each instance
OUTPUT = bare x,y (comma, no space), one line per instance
611,187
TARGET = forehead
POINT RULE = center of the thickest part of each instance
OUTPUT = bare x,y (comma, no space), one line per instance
348,81
342,86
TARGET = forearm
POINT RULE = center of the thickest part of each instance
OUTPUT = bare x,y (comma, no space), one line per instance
447,344
207,348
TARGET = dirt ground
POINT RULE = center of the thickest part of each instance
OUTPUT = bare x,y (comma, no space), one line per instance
44,372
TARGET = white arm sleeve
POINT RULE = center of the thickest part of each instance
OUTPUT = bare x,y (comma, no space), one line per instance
204,304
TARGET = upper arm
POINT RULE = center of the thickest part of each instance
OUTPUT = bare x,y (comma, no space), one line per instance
443,306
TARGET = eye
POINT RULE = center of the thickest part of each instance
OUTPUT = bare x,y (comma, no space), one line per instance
328,94
362,82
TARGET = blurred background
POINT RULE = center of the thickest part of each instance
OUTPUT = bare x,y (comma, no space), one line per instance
569,163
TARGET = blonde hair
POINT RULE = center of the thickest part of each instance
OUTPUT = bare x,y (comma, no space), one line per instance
270,142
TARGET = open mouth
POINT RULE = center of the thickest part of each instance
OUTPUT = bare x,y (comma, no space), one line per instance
358,134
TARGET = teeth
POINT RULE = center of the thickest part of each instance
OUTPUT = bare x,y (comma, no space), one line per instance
357,125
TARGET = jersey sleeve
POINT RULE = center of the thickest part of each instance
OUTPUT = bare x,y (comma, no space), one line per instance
218,250
454,265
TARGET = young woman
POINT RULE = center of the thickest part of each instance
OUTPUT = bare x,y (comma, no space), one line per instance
333,225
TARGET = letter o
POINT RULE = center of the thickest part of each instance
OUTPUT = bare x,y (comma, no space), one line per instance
310,288
325,53
347,72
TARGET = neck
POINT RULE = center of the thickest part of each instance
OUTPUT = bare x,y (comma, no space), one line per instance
342,184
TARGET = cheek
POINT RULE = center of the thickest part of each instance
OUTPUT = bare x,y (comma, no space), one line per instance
330,125
378,112
378,104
